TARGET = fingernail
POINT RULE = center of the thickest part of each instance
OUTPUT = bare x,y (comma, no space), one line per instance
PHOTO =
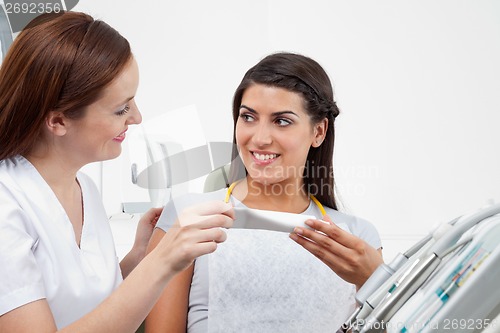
309,223
294,236
298,231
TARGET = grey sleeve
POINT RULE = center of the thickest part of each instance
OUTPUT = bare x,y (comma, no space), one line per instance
367,231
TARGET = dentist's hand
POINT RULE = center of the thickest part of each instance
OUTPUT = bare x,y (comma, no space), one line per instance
347,255
196,232
144,230
143,233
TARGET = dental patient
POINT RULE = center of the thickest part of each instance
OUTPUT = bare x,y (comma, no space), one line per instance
267,281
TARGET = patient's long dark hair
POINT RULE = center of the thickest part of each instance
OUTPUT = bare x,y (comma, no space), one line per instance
303,75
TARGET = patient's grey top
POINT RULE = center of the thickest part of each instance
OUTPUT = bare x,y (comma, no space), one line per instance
199,295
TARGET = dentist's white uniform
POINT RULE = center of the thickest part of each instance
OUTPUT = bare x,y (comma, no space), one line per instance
39,257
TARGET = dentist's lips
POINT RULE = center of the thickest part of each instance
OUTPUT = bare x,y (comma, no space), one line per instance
264,158
120,137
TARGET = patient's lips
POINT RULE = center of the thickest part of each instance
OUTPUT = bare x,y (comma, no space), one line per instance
264,157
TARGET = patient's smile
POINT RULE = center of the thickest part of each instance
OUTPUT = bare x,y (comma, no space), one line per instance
265,157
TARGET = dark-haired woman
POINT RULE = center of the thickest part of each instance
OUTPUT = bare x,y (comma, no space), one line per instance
260,280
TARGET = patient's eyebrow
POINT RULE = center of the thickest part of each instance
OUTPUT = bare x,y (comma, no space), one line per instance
243,106
274,114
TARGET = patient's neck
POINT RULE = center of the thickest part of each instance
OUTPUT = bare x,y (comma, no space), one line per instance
283,196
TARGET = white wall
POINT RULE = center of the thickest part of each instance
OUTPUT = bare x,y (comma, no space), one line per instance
417,83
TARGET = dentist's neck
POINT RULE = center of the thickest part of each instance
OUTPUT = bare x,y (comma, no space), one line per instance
59,172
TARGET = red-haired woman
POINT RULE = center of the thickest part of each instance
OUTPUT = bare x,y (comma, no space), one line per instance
67,90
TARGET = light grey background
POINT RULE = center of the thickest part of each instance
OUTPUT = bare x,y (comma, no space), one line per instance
417,82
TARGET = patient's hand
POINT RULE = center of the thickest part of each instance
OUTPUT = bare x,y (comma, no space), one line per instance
347,255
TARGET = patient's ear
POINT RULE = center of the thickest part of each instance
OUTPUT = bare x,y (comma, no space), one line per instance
320,132
56,123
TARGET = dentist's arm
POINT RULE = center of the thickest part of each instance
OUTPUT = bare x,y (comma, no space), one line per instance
347,255
171,311
143,234
125,309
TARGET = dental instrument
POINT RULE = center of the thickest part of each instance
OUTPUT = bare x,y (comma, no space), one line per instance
375,288
423,268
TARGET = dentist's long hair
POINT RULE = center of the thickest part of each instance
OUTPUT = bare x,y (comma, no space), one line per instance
59,62
303,75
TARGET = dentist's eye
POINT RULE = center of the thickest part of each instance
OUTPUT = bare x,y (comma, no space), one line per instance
123,111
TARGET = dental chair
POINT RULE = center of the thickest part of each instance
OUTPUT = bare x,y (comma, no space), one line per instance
221,176
217,179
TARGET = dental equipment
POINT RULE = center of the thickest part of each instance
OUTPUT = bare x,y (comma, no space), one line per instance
423,268
463,294
376,287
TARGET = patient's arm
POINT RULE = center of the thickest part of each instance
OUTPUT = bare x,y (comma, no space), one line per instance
170,312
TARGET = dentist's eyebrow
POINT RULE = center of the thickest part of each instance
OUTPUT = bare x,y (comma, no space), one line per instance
274,114
125,101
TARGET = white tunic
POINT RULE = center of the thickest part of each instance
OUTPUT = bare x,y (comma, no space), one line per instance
39,256
265,275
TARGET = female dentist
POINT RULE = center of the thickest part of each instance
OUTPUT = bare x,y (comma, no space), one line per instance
67,90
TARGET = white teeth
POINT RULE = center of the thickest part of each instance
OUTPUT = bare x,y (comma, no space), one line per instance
262,157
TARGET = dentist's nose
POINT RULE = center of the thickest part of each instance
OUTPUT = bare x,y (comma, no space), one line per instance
135,116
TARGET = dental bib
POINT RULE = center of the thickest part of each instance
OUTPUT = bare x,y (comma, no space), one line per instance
262,281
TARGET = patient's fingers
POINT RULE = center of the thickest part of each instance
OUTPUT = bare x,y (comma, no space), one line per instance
327,219
349,256
330,229
327,239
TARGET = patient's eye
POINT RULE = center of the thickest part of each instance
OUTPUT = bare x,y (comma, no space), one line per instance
283,122
246,117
